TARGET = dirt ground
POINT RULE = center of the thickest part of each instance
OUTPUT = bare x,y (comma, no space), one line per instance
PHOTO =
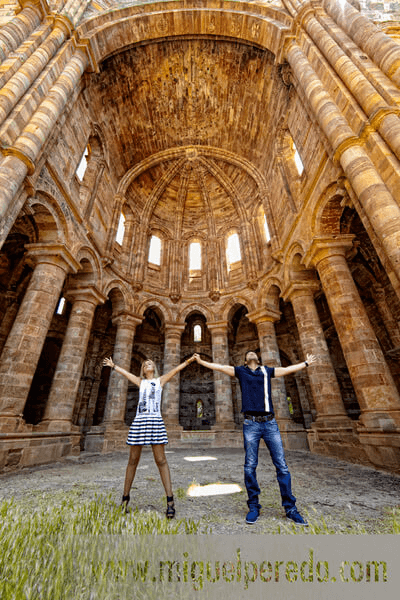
332,493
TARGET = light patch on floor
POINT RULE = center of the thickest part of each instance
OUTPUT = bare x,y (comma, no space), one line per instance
199,458
213,489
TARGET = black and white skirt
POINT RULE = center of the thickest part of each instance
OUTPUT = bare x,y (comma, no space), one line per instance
147,429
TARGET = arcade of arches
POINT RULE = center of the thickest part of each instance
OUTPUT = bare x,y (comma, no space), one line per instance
198,176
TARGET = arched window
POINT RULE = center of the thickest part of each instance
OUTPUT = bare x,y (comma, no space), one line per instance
121,229
197,333
199,409
233,254
155,250
195,256
266,230
83,164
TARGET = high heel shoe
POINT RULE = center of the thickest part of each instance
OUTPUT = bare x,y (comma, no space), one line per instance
170,512
125,502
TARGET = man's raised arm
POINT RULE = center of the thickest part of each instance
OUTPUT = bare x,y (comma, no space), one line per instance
227,369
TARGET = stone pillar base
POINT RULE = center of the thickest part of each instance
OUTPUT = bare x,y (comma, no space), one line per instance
54,425
13,424
337,439
108,437
382,448
383,420
224,426
332,422
28,449
174,431
294,436
195,439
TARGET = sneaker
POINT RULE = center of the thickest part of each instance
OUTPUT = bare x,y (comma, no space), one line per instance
252,516
296,517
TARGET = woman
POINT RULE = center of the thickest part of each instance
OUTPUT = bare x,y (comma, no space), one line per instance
148,426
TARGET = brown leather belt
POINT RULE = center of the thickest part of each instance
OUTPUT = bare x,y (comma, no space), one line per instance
259,419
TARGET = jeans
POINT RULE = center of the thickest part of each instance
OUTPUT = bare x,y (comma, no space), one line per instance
269,432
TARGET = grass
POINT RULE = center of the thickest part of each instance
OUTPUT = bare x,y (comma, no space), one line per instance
50,543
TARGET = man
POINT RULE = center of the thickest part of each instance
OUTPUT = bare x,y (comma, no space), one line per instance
259,422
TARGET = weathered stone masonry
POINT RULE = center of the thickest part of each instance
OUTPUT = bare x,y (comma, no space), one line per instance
181,124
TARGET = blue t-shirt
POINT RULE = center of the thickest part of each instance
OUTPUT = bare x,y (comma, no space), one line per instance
252,386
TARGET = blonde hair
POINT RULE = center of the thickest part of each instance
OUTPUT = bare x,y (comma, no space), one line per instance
156,374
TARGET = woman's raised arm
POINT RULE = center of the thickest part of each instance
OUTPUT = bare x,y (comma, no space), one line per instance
108,362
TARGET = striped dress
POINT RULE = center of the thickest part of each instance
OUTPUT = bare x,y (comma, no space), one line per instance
148,426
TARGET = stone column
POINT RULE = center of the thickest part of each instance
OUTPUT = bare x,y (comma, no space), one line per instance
379,205
13,33
19,159
22,80
373,383
324,385
391,325
24,344
264,320
382,49
114,414
8,318
61,401
172,358
383,116
224,418
293,434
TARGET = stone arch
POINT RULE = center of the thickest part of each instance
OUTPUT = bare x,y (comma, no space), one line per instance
127,27
191,308
270,293
119,295
50,221
160,231
182,153
295,249
325,219
235,301
273,296
155,304
87,254
294,269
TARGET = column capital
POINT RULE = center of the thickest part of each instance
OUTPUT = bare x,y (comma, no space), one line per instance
174,329
326,246
40,5
127,319
262,315
87,294
296,289
54,254
218,327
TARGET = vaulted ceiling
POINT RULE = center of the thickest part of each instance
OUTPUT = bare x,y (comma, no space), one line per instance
189,93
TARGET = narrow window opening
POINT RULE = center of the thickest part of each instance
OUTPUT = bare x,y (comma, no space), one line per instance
199,409
195,256
266,230
233,254
155,250
61,306
83,164
197,333
121,229
297,160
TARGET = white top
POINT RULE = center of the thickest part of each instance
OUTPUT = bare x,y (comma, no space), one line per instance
150,392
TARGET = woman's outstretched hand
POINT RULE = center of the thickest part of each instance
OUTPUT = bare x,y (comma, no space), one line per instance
108,362
311,358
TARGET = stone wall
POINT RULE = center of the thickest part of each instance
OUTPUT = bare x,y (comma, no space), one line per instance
192,116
